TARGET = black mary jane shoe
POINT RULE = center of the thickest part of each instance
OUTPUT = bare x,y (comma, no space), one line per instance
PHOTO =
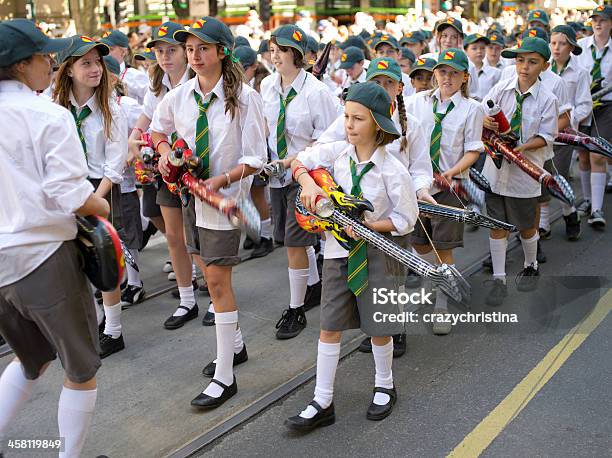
204,401
209,319
175,322
239,358
323,417
377,412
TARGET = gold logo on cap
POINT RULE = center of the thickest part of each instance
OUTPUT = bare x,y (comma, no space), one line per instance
163,31
198,24
297,35
536,14
533,33
106,34
86,39
449,55
382,65
343,58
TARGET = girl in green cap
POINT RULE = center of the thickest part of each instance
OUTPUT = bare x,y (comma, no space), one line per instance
453,125
44,184
221,118
169,71
351,279
298,109
82,86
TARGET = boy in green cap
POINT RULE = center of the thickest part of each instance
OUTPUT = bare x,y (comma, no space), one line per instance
45,298
597,59
135,80
352,62
476,47
533,112
421,74
361,166
538,18
496,44
387,46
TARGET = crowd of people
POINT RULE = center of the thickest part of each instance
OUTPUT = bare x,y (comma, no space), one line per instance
396,111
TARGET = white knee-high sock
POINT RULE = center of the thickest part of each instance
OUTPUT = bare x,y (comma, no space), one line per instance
298,281
225,326
238,342
112,326
585,183
498,257
328,355
383,360
74,413
322,241
313,273
598,187
132,274
187,300
544,217
15,390
530,250
266,228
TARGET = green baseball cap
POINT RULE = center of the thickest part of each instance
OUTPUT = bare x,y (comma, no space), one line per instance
498,39
426,64
209,30
353,40
165,33
605,11
407,54
145,54
292,36
388,39
428,34
365,34
384,66
449,22
350,56
538,32
412,38
311,44
471,39
246,56
81,45
112,65
115,38
570,34
529,44
495,27
21,39
264,46
455,58
241,41
538,16
376,99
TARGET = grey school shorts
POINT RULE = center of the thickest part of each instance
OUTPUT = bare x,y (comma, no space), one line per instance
219,248
517,211
342,310
51,312
150,209
130,216
192,238
165,198
286,228
444,233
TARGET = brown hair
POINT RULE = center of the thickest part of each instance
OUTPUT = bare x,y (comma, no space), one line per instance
233,76
260,73
298,58
384,138
10,72
465,86
63,88
403,119
156,75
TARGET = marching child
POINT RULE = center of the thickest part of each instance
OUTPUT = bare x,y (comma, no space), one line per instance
44,184
496,45
421,74
453,123
475,47
364,167
82,86
221,119
533,111
298,108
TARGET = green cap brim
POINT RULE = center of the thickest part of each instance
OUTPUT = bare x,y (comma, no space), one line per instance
416,69
453,26
347,64
450,63
145,56
169,40
391,75
181,36
511,53
55,45
104,49
385,124
287,43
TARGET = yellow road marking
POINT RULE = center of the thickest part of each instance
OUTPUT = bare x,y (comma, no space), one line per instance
493,424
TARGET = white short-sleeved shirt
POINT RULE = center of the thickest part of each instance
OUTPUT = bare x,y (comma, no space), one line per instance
461,128
43,180
487,78
586,60
232,141
577,81
136,82
151,100
307,116
387,185
106,157
540,113
415,159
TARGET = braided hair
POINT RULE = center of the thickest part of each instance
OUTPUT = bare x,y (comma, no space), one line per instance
401,110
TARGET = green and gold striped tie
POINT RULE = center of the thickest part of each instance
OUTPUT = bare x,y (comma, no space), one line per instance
78,119
358,255
555,68
436,134
517,117
596,70
281,140
201,139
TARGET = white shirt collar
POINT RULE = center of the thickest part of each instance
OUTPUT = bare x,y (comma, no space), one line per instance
590,41
184,78
297,83
217,90
377,158
456,98
512,84
91,102
14,86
